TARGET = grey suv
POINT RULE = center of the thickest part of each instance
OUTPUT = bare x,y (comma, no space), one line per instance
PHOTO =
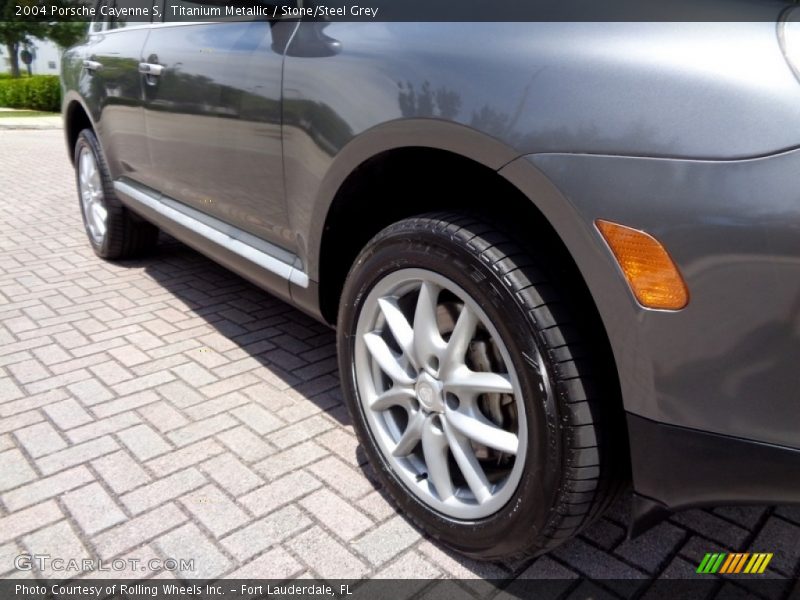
562,259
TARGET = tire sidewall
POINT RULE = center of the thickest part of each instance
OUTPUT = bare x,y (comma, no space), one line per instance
87,139
528,511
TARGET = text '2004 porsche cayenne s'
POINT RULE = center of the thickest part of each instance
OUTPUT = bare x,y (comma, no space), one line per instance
562,258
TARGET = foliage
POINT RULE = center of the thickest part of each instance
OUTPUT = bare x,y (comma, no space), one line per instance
39,92
15,33
67,33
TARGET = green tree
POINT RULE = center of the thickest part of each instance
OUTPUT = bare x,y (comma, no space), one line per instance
67,33
14,32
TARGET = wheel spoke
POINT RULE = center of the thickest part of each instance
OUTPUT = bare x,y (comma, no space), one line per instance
428,341
99,217
478,428
468,464
386,359
435,450
430,365
411,436
400,327
394,396
458,343
468,382
85,167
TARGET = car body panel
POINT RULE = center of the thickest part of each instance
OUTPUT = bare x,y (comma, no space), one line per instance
113,95
213,122
724,363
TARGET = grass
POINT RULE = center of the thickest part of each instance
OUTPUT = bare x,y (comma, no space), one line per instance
14,114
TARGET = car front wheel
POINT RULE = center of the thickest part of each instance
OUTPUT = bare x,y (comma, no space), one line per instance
114,232
469,389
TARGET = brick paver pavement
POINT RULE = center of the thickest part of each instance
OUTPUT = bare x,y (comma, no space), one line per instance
167,408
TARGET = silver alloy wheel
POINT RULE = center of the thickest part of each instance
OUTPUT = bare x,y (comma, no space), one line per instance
92,197
440,394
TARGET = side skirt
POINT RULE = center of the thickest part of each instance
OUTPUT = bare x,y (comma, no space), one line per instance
261,262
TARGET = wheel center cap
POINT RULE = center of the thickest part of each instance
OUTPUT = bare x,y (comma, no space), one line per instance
429,393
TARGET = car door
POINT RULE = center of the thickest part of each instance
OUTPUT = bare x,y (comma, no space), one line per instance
213,120
110,78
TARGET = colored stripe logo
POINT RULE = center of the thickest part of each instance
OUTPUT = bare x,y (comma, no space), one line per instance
735,563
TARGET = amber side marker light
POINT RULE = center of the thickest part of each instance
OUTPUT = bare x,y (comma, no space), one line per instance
652,275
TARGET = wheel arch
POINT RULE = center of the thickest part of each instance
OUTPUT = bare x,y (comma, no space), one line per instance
77,117
380,158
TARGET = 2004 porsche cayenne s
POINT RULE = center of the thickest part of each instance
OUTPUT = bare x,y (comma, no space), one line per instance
562,259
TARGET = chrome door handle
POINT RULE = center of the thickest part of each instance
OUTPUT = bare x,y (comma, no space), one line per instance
151,69
92,65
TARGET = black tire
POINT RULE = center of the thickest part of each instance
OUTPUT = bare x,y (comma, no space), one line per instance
571,473
126,235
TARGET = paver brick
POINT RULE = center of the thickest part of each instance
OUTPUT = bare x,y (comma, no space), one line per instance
163,416
180,394
411,566
40,439
216,406
228,385
90,392
103,427
299,432
257,418
783,539
231,474
142,382
201,429
93,508
49,383
67,414
47,487
243,442
29,402
214,509
57,540
376,505
28,519
266,532
160,491
20,420
111,372
342,519
276,465
15,469
652,551
120,472
275,564
387,540
28,371
287,489
194,375
327,558
185,457
113,407
8,552
143,442
189,542
140,529
348,482
76,454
